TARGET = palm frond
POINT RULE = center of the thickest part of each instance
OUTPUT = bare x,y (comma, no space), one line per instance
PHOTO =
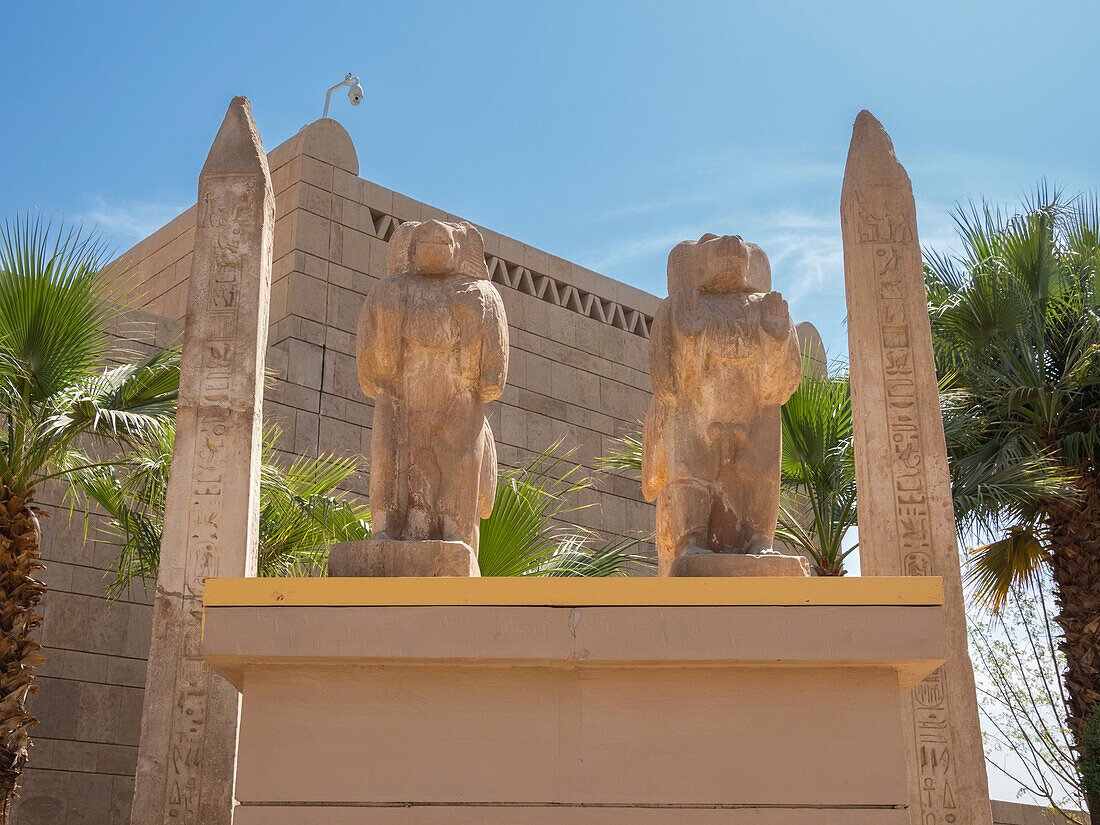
301,512
818,471
55,301
1015,315
625,454
127,403
529,534
1014,561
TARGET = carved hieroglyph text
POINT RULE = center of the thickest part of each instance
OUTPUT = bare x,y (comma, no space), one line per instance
883,230
187,755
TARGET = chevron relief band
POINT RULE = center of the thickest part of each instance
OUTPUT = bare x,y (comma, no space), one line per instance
543,287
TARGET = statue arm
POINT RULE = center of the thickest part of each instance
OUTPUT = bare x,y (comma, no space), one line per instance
378,338
783,366
662,371
654,460
494,345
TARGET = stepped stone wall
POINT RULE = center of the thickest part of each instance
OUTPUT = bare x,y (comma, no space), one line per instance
578,367
1016,813
578,372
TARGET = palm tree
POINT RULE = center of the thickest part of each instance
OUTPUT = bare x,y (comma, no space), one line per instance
301,512
55,399
1016,327
818,471
528,533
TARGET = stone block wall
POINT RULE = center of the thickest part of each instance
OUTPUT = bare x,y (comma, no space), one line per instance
1017,813
579,341
578,371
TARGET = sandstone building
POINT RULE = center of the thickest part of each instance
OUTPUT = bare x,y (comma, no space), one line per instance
577,371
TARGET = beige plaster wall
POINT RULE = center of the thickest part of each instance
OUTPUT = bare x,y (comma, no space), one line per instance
625,708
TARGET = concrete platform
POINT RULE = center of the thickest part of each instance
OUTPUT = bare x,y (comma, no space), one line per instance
572,701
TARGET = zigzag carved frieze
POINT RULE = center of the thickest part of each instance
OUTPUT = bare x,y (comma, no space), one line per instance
544,287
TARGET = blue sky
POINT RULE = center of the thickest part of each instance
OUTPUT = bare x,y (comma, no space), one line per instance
601,132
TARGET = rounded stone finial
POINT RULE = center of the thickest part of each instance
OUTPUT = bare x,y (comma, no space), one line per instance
327,140
813,349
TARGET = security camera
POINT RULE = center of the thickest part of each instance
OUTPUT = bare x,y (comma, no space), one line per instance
355,92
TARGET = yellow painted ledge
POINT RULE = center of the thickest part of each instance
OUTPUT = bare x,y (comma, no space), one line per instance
912,591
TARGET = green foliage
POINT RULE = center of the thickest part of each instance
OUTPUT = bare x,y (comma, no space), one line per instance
818,470
1016,322
1000,566
625,456
1090,759
301,513
55,301
1018,665
528,533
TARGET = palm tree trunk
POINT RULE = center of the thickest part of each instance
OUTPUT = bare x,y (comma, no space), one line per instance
1075,544
20,562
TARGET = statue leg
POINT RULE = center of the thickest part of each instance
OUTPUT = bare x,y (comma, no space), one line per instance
422,517
758,468
388,484
683,506
683,517
460,481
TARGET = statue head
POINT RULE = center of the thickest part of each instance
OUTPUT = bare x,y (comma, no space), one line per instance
436,249
721,265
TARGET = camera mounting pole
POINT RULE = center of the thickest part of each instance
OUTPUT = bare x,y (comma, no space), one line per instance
355,92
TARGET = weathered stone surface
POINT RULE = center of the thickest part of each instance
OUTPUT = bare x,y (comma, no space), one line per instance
432,350
815,364
590,354
386,557
189,728
723,357
907,525
813,350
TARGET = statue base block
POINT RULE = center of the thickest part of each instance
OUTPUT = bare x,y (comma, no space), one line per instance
572,701
391,558
740,564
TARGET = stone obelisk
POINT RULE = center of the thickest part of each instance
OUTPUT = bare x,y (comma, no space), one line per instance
906,521
189,726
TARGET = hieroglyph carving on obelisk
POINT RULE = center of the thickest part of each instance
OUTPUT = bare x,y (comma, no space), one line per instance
189,727
906,520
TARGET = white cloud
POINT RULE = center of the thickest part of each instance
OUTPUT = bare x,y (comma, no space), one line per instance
806,263
128,221
653,206
630,251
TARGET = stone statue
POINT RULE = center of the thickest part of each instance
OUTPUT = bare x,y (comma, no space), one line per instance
432,350
723,358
